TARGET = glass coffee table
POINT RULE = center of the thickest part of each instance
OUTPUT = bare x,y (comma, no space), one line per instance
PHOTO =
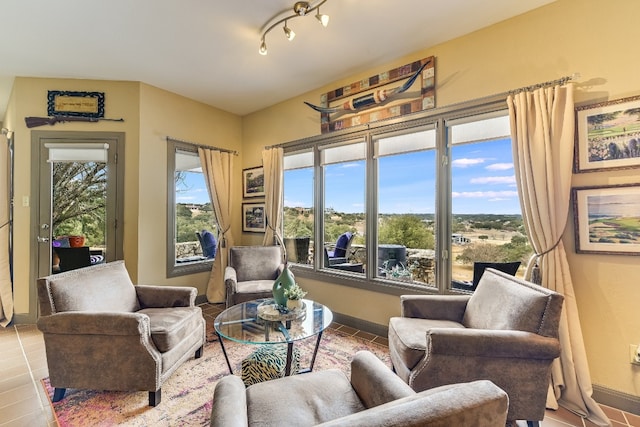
259,322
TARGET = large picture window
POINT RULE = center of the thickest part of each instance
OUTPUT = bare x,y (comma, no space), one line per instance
422,204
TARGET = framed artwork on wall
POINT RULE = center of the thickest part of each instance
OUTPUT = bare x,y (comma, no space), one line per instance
608,135
607,219
253,219
253,182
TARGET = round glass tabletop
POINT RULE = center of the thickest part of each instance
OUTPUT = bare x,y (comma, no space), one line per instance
243,322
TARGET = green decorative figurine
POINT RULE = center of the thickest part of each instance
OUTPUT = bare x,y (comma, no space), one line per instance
284,281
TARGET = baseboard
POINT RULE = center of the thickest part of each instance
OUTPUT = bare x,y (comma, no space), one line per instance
616,399
363,325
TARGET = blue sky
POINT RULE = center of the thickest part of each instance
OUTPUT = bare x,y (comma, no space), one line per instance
483,182
193,189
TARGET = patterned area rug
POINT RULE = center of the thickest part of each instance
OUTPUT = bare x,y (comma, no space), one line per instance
187,395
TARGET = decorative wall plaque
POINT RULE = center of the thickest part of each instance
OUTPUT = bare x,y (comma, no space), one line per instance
80,104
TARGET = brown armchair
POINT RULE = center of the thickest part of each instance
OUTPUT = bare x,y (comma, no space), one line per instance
103,333
251,272
373,397
506,332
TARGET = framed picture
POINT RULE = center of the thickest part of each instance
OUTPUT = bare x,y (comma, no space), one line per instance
78,104
608,135
253,182
607,219
253,219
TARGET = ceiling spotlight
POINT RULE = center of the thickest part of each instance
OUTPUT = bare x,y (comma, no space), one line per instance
323,19
300,8
288,32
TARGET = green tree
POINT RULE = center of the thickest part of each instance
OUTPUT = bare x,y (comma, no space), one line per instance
407,230
79,200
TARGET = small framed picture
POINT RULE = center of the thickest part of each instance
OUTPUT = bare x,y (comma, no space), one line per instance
78,104
253,182
253,219
607,219
608,135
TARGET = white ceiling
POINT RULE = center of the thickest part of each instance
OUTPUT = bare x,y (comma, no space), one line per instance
207,50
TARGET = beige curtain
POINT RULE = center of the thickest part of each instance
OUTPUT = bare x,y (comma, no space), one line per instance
272,163
6,291
217,167
542,131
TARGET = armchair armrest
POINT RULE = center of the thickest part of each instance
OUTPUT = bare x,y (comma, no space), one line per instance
95,323
374,382
229,403
492,343
437,307
166,296
230,278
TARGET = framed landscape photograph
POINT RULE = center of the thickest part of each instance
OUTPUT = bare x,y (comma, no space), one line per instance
253,219
607,219
608,135
253,182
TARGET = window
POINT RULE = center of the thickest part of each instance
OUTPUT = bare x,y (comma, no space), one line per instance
486,219
406,195
192,230
426,199
344,219
298,207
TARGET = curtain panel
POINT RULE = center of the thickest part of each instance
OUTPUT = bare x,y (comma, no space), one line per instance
272,163
542,133
6,287
217,167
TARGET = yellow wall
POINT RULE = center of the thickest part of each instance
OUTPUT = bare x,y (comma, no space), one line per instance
591,37
165,114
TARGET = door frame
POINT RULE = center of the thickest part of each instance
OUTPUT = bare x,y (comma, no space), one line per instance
41,258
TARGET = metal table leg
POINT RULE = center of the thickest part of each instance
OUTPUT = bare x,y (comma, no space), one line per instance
224,352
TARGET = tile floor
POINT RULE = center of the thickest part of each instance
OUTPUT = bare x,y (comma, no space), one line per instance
23,402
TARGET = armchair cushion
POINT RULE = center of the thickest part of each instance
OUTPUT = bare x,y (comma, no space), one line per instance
498,304
170,327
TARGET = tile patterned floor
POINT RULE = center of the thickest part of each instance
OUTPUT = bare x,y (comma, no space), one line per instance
23,402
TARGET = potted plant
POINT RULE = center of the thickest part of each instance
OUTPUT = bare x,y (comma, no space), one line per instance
294,295
398,272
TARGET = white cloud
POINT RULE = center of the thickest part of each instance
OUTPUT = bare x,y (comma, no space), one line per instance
484,194
499,166
463,163
494,180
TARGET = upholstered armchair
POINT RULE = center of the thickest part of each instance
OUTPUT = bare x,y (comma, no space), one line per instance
103,333
506,332
374,396
251,272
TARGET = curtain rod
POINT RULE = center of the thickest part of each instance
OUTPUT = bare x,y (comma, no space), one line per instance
225,150
560,81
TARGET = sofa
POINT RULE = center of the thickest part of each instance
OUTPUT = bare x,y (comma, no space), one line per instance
373,396
101,332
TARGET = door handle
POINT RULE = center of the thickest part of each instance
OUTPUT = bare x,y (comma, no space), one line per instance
43,239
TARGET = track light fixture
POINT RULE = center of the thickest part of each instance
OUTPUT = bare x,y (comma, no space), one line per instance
300,8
